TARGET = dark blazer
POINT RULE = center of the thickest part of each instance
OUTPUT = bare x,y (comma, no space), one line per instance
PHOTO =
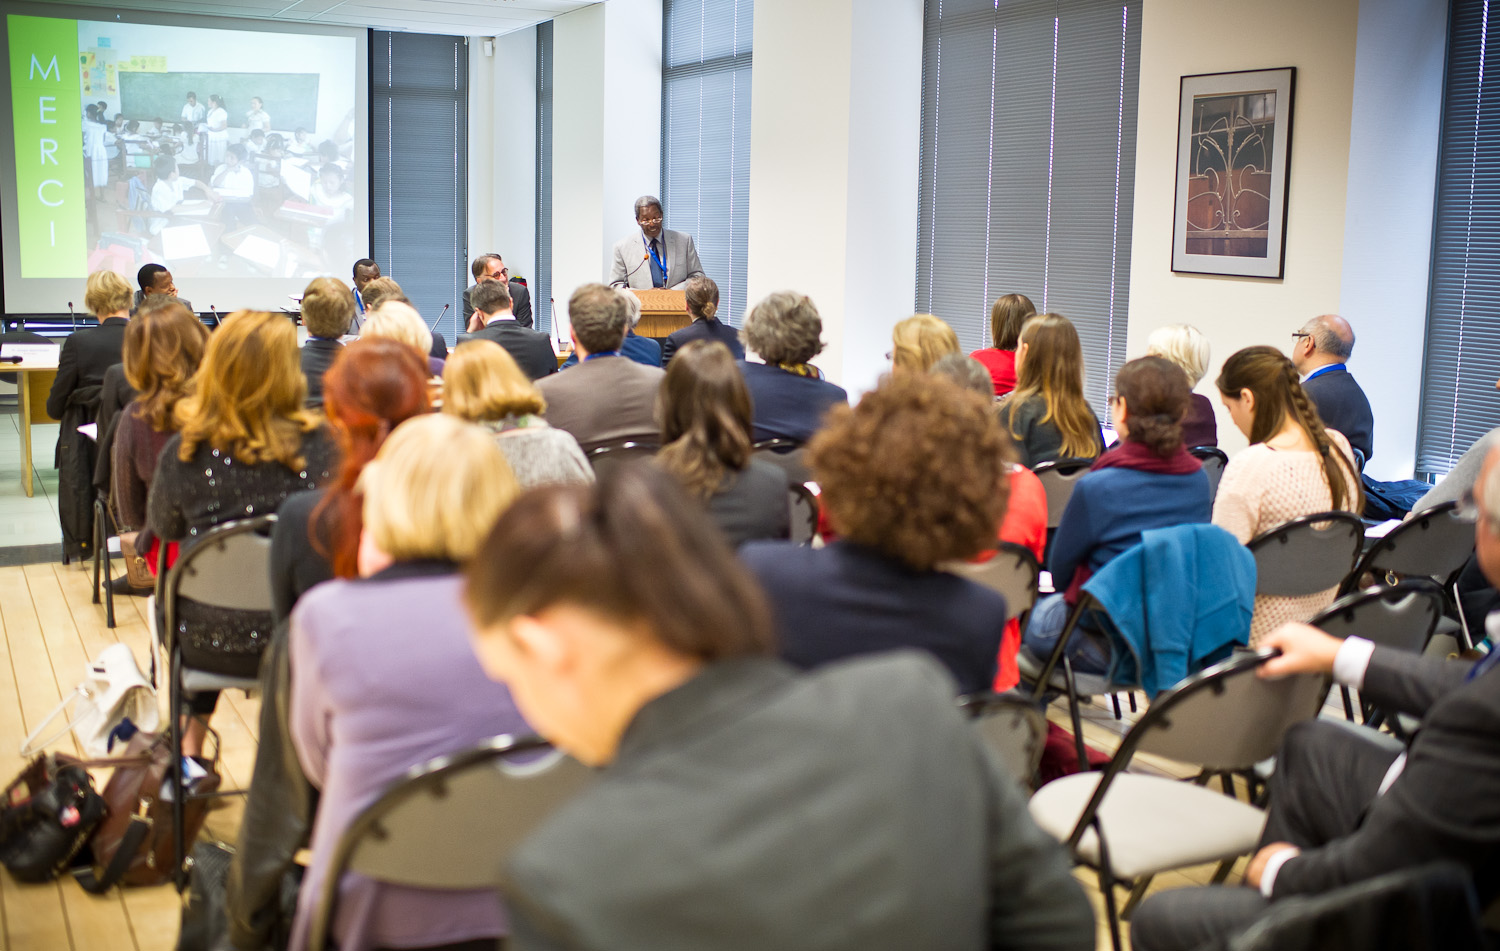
788,406
317,357
1446,802
603,400
1200,427
753,807
847,599
753,504
711,329
296,564
115,394
531,349
643,350
86,356
1343,406
520,304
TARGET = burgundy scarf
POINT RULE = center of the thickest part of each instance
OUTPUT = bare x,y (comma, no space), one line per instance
1138,456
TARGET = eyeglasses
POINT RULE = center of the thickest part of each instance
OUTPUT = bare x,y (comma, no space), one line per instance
650,221
1300,334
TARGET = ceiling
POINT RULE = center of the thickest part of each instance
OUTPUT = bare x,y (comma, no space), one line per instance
456,17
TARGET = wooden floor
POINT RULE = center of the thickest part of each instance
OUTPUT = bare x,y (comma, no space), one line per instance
51,630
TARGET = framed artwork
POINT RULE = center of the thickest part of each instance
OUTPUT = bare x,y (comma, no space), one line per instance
1234,138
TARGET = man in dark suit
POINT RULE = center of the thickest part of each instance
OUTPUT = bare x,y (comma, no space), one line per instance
155,279
491,267
327,309
607,397
531,349
1346,807
1322,347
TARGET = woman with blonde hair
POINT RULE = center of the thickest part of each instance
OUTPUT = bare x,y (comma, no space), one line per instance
383,677
703,306
398,320
1294,466
1185,345
87,354
483,384
919,341
1047,416
1007,315
244,443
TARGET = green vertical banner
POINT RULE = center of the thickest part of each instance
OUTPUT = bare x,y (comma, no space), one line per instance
47,104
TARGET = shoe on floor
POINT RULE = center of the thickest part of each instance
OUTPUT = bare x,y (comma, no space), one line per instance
122,586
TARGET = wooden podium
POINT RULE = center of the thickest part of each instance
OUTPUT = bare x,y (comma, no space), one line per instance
662,311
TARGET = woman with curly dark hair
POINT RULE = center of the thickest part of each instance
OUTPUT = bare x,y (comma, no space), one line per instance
1146,481
912,477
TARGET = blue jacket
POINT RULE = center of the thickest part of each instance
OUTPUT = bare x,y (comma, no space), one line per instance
788,406
1178,602
1110,508
643,350
710,329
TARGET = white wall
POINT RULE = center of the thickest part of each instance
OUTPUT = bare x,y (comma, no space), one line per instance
834,133
1184,37
632,115
502,149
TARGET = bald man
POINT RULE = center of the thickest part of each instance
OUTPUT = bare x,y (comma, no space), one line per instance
1348,805
1320,350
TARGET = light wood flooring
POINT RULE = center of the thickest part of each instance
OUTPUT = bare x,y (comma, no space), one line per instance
51,630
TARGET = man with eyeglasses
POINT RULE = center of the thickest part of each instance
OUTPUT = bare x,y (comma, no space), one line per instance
652,256
491,267
1319,351
1348,805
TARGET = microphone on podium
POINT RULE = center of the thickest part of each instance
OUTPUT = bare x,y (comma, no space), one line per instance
439,318
211,310
72,317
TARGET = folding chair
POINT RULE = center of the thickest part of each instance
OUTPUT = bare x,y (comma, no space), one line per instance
1402,616
1058,479
1013,728
451,823
1056,673
1130,826
103,531
1213,460
787,455
228,567
1432,544
618,453
803,503
1308,554
1013,571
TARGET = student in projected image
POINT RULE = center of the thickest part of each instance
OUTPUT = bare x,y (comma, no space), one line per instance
96,142
257,119
235,183
301,144
171,191
217,123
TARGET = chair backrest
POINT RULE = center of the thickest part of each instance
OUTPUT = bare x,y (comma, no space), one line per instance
1012,728
453,822
1402,616
1213,460
228,567
1433,544
1058,479
803,504
1308,554
1013,571
787,455
610,455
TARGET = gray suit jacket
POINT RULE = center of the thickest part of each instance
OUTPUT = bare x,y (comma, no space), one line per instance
756,808
603,400
631,268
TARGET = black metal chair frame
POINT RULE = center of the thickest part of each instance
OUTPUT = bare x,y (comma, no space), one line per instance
1203,454
1351,604
1059,657
1282,534
778,444
625,448
103,532
980,705
1382,547
799,492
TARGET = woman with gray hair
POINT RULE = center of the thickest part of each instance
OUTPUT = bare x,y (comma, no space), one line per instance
789,394
643,350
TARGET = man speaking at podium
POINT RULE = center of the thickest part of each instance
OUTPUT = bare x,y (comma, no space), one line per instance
651,256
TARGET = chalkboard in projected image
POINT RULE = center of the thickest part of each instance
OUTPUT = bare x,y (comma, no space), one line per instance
291,99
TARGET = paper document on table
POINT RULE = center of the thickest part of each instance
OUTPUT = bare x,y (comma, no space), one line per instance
184,241
1383,529
31,351
194,207
258,250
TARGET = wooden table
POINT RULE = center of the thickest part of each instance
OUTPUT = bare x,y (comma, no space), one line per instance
662,312
36,375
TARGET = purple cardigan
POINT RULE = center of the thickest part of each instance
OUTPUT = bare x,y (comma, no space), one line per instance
383,679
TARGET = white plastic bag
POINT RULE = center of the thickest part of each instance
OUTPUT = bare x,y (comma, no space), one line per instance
113,689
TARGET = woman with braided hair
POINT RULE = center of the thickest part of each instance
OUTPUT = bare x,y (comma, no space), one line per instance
1294,466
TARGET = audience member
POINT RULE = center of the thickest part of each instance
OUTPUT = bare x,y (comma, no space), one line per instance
704,408
379,289
493,320
327,311
373,385
606,397
365,271
853,807
1025,521
398,320
1046,414
703,306
788,394
483,385
86,354
1344,808
1320,351
412,689
644,350
1147,480
919,341
244,443
1293,467
1007,315
912,477
490,268
1186,346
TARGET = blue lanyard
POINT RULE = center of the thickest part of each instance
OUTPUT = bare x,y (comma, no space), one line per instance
601,353
1322,370
651,250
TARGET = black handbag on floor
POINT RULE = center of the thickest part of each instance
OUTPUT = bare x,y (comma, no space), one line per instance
48,814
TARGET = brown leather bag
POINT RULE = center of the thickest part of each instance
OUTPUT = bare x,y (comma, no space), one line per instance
136,570
133,845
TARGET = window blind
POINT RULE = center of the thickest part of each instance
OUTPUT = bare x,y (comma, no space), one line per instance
541,285
705,136
1459,403
419,168
1028,166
